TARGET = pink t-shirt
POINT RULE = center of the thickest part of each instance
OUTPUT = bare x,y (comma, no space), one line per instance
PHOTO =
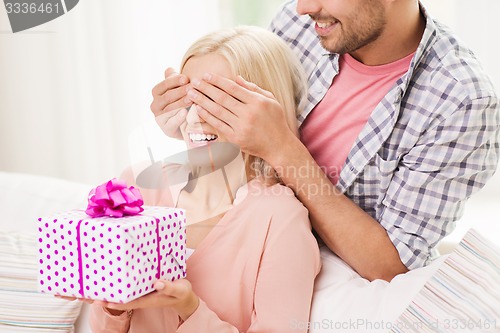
332,127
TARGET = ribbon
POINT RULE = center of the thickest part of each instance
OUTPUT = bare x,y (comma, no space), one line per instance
80,260
114,199
158,253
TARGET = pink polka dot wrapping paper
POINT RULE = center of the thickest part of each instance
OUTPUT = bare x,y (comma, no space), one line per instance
111,259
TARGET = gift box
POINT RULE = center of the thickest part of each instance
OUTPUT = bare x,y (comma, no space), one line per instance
107,258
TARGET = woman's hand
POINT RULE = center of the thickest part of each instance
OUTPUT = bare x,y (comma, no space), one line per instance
177,295
90,301
69,298
170,103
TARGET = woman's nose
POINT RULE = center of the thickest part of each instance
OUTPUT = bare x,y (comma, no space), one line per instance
192,115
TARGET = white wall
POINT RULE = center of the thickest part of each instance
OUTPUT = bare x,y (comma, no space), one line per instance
72,90
476,23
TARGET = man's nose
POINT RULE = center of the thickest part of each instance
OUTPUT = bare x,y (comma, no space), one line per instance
308,7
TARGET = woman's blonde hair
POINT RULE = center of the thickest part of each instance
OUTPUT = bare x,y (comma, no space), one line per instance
260,57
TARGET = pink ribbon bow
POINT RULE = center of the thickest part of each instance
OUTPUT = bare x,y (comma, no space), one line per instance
114,199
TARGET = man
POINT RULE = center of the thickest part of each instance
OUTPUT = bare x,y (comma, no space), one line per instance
401,126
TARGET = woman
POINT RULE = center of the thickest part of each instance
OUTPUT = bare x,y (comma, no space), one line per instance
253,258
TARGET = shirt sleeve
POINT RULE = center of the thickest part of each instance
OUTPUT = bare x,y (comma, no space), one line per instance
284,287
282,16
103,322
451,161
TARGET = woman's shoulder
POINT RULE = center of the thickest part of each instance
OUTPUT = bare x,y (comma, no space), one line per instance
285,218
276,199
271,192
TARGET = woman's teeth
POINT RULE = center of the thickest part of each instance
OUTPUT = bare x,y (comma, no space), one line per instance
197,137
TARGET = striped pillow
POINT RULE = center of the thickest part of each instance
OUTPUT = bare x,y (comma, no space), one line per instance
463,295
22,307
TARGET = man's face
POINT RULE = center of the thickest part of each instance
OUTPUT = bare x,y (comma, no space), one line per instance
345,26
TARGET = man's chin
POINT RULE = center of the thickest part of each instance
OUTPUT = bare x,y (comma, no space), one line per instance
327,45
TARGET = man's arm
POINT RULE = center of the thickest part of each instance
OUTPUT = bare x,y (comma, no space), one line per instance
252,119
344,227
169,103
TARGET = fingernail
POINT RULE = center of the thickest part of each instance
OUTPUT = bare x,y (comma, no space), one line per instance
159,285
192,94
207,76
183,80
196,82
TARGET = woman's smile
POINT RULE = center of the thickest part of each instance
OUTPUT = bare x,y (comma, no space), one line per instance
198,138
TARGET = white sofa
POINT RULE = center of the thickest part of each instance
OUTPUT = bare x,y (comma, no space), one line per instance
340,294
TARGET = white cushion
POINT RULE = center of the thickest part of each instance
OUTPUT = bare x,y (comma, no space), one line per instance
345,302
26,197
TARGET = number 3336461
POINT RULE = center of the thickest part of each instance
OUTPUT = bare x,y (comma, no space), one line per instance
31,8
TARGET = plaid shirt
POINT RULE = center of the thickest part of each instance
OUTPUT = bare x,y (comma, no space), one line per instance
430,143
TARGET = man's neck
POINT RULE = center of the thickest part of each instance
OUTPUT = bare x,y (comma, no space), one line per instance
401,36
